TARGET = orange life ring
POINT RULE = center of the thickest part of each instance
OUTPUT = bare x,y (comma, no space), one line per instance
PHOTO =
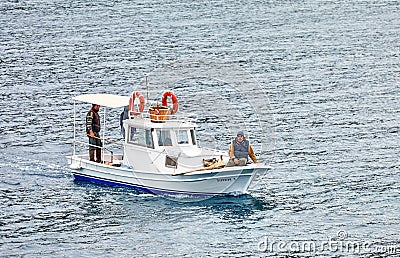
131,107
174,101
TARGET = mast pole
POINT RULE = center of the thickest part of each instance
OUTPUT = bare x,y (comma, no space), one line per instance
147,86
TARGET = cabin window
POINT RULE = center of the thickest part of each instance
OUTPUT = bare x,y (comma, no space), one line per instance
193,136
164,138
182,137
171,162
140,137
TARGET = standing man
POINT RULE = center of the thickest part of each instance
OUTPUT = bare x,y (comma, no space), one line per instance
239,150
93,132
123,116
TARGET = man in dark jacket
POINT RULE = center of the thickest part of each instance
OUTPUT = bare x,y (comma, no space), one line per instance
123,116
93,132
239,151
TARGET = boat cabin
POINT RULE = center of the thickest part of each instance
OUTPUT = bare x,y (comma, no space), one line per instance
145,133
166,146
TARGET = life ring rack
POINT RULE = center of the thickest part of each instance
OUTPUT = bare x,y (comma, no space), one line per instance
131,107
174,101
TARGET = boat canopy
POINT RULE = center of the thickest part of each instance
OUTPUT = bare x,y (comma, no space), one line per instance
107,100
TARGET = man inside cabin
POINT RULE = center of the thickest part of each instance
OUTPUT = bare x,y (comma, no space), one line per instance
123,116
239,151
93,132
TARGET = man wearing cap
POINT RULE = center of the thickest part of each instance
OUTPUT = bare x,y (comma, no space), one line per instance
239,150
93,132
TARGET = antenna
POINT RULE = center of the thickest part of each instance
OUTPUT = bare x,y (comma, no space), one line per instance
147,86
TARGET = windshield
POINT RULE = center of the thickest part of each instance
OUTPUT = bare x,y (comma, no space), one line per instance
140,137
182,137
164,138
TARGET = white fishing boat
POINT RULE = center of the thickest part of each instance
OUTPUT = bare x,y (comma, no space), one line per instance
159,154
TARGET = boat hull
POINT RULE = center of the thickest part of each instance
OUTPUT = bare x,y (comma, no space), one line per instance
226,181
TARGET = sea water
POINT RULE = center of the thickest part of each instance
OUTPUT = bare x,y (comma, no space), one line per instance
329,75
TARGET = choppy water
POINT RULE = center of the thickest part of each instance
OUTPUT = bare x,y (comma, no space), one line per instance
331,70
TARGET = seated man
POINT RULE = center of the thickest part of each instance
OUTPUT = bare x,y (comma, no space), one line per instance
239,150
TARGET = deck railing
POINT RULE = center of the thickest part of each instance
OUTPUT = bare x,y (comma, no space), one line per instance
161,117
102,147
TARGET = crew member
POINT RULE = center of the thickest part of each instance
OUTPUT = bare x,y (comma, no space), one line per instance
123,116
93,132
239,151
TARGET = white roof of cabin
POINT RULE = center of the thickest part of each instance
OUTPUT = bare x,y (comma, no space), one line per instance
107,100
167,124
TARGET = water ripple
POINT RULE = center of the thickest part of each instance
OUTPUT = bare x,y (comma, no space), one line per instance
331,71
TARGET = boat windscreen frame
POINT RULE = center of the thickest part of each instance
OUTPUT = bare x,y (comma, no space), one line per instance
148,135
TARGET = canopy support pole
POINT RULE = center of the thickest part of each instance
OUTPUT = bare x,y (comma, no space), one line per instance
104,132
74,144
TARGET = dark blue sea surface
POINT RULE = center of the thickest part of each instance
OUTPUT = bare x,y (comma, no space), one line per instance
328,73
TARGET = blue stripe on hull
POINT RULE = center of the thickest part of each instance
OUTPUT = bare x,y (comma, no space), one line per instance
102,181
